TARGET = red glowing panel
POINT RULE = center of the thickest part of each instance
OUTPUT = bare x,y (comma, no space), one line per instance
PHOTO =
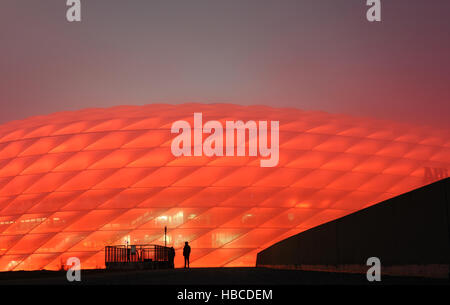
29,243
25,223
12,149
42,146
135,218
168,196
99,177
56,222
89,200
15,166
54,201
61,242
45,163
76,142
208,218
20,204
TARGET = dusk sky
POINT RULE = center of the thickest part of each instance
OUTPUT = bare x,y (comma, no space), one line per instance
308,54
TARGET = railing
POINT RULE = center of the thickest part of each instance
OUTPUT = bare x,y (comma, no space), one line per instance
136,253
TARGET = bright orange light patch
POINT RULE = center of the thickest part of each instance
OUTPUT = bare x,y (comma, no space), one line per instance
73,182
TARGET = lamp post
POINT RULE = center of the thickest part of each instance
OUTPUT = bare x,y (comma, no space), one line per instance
165,236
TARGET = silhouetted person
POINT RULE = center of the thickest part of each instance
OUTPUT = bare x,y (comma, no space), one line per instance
186,253
171,257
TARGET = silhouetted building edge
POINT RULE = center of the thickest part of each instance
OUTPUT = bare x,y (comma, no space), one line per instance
410,234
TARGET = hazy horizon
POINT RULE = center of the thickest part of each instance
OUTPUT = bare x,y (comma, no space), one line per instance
310,55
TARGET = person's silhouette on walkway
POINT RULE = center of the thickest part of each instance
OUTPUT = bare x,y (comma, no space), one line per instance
171,257
186,253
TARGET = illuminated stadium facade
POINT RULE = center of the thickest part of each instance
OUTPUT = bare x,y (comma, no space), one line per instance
73,182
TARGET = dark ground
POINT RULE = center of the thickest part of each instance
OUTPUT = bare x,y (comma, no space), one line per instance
204,276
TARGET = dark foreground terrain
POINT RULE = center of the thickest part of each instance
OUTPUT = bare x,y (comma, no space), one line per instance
203,276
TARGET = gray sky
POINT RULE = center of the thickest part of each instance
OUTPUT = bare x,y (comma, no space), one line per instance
307,54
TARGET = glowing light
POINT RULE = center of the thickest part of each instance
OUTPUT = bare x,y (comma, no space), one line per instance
74,182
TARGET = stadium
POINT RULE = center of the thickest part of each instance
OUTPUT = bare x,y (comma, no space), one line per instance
74,182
